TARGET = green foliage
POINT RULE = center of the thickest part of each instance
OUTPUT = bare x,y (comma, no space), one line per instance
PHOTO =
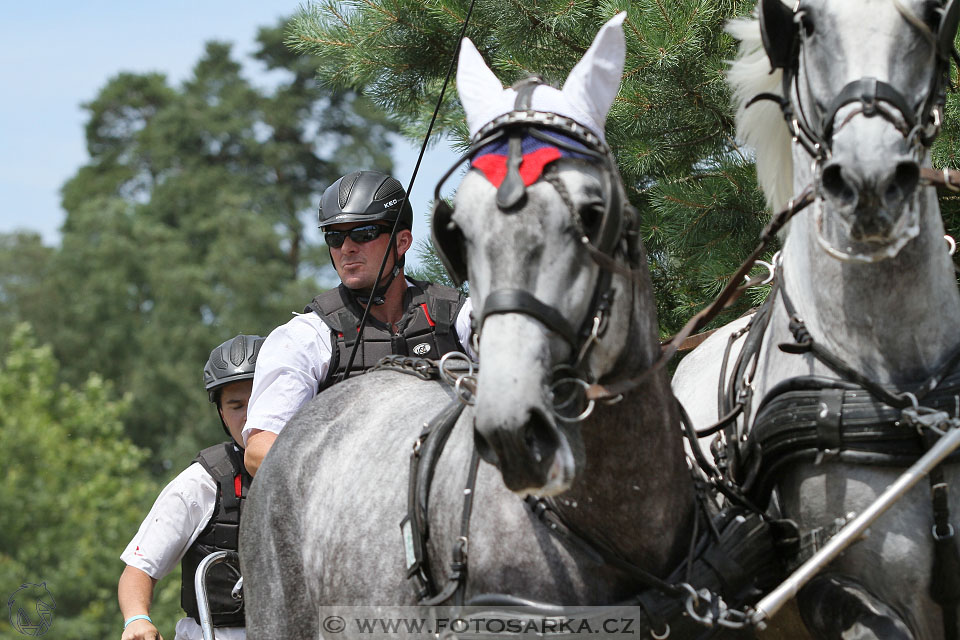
25,281
74,492
670,127
187,226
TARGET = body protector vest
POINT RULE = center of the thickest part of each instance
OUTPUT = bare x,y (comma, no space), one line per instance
426,329
224,462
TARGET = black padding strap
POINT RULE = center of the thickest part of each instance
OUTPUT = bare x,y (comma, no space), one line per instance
520,301
512,192
945,572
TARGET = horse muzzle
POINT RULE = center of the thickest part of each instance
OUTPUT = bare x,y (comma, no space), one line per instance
514,426
868,206
531,452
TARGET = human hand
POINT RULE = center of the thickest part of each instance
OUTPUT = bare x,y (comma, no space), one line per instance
141,630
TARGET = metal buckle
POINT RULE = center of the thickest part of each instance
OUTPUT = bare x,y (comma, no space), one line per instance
946,536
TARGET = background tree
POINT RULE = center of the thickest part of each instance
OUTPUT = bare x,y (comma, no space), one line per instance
671,126
187,226
74,493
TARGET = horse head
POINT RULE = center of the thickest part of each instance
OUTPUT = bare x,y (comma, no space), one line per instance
539,220
863,121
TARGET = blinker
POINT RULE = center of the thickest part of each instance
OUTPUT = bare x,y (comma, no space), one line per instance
448,241
779,33
948,29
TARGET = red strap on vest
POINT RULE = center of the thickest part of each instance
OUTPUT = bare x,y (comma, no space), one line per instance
423,305
237,486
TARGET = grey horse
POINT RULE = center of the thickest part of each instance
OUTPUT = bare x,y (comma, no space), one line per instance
321,524
867,273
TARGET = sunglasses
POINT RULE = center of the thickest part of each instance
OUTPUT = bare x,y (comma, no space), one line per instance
360,235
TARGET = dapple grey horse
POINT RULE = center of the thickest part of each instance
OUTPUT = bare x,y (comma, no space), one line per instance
866,269
321,524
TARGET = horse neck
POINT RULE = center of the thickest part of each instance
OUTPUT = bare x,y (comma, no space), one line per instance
895,320
636,496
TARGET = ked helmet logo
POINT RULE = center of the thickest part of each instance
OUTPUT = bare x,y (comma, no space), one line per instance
421,349
391,203
31,609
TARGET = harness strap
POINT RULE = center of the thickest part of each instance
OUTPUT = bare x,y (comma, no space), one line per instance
457,581
544,509
415,526
520,301
804,343
869,92
945,573
727,296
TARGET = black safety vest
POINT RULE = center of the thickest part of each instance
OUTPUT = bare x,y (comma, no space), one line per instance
224,462
426,329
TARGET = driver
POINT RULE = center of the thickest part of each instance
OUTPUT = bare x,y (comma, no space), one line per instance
407,317
197,514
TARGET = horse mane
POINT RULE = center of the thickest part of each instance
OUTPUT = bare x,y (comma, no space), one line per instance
761,126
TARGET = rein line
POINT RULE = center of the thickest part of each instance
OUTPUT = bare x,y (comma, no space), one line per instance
396,223
727,296
804,343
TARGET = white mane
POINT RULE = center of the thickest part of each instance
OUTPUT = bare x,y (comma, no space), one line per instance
761,126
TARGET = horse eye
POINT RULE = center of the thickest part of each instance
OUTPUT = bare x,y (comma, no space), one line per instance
591,214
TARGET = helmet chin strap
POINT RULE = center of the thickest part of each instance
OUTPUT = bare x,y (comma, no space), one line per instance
363,295
223,423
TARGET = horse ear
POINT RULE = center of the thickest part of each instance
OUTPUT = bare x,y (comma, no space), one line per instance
595,81
477,86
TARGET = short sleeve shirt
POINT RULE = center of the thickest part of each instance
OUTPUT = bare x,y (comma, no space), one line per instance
293,362
178,516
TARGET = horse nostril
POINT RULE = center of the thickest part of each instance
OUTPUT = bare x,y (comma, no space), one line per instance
836,186
906,177
485,450
540,437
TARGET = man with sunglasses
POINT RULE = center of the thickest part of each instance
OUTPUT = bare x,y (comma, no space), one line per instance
407,317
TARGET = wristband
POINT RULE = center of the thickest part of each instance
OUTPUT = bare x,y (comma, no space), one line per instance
142,616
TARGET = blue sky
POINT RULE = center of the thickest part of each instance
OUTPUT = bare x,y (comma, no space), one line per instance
56,55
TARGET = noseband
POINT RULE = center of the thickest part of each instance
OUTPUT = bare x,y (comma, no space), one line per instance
783,41
615,236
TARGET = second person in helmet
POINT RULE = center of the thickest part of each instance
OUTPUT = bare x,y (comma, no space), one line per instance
406,317
197,513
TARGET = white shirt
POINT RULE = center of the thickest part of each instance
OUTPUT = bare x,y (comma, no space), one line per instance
180,513
292,363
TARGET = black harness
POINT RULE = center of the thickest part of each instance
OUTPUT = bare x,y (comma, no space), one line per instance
849,419
737,554
224,462
426,329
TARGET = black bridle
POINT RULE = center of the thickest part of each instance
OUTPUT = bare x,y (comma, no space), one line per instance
783,36
613,243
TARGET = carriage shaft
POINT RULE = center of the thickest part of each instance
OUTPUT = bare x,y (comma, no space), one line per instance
852,532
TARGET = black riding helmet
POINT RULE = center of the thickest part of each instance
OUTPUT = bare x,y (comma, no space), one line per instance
367,196
233,360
